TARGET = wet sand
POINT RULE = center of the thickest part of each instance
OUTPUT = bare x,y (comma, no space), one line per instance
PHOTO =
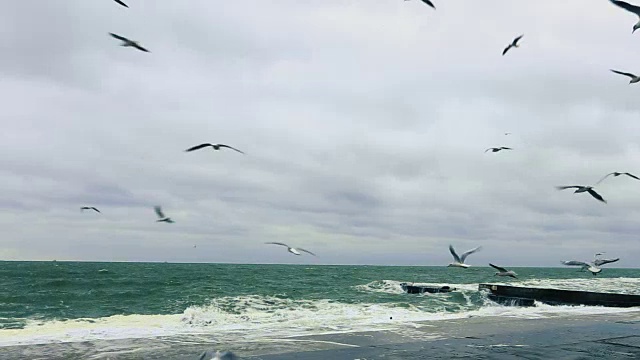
612,336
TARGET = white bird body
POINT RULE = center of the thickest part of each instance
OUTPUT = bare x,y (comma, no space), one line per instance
295,251
593,267
503,272
459,260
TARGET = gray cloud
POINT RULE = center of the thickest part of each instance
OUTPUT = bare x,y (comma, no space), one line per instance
364,126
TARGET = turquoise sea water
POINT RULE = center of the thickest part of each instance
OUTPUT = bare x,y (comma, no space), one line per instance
47,302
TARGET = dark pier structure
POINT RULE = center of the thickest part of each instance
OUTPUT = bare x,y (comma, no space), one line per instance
421,289
524,296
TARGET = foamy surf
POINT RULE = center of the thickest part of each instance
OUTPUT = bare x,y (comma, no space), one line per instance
260,318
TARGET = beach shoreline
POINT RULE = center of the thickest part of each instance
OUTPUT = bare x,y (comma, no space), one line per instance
609,336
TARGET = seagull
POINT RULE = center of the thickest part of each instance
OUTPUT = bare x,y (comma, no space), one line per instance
507,133
89,208
459,260
496,149
126,42
634,78
225,355
121,3
580,188
214,146
162,217
632,8
428,2
594,266
616,174
295,251
514,43
503,272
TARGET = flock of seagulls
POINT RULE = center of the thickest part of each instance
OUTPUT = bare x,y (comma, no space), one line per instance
459,260
589,188
592,266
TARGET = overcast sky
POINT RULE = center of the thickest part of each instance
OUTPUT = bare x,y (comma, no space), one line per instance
364,125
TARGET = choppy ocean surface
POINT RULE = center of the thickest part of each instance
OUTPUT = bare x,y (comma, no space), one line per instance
55,302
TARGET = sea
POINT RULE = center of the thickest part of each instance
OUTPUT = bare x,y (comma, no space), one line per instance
68,304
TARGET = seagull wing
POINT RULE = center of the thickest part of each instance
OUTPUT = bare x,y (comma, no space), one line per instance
568,187
506,49
198,147
634,9
428,2
489,149
596,195
277,243
121,3
159,212
633,176
93,208
624,73
515,41
122,38
140,48
464,255
575,263
230,147
604,177
501,269
455,256
307,251
599,262
506,148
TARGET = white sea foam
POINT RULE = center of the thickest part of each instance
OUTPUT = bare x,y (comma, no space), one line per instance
262,318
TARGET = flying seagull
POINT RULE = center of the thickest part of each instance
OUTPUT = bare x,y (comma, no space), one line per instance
161,216
214,146
616,174
634,78
594,266
121,3
225,355
503,272
496,149
507,133
514,43
126,42
89,208
459,260
428,2
580,188
295,251
632,8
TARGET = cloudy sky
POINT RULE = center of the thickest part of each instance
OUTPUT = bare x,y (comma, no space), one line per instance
364,123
